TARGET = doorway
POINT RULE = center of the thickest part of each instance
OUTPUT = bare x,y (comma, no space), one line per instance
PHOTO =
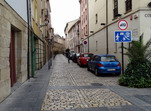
12,59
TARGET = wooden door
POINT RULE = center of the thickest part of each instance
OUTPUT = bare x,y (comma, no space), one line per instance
12,59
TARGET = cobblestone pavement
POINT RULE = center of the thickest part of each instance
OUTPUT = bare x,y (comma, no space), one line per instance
72,87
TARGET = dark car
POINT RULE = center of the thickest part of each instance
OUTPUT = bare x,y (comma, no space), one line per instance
84,58
75,57
104,64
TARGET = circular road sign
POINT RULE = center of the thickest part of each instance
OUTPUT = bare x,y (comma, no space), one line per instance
122,24
85,42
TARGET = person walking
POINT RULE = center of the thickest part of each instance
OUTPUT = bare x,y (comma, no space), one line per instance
69,57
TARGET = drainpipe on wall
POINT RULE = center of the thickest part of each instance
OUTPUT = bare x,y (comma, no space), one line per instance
107,47
28,53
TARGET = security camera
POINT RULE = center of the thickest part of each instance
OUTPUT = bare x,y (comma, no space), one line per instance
149,4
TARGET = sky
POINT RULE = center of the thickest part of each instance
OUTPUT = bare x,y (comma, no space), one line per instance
63,11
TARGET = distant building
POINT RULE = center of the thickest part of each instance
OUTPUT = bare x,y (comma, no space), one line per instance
58,44
71,34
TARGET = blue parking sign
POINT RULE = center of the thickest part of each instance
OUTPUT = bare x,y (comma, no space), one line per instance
123,36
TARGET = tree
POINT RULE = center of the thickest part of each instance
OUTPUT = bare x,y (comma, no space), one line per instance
138,71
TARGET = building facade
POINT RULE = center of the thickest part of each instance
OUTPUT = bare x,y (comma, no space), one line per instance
23,41
84,18
40,33
103,21
13,49
71,34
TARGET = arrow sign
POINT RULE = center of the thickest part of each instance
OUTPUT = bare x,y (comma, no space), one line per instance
123,36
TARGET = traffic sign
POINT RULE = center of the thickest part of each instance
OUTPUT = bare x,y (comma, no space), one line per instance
123,36
123,24
85,42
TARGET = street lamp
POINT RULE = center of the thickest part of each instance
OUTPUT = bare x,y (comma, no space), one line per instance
50,43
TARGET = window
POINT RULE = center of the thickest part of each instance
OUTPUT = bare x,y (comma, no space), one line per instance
108,59
96,45
96,18
86,30
128,4
115,10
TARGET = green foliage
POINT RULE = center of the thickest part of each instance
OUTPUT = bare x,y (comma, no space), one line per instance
138,71
137,75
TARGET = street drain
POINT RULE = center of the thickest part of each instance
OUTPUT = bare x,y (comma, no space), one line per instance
96,84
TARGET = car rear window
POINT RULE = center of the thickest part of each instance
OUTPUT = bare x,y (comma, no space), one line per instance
88,55
108,59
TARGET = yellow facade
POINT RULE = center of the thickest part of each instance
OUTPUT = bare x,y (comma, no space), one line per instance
36,17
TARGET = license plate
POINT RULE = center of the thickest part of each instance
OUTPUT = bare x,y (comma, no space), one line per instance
111,69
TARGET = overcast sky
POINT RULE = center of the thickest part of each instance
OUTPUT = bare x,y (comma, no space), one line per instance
63,11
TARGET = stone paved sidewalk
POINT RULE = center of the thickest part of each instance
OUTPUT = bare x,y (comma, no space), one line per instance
72,88
29,96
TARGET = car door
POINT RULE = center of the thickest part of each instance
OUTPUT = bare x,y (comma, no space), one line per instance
90,63
94,62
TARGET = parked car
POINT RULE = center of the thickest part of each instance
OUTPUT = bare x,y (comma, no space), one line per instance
84,58
75,57
104,64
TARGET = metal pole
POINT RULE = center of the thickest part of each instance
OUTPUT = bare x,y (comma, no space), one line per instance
107,48
122,58
28,39
88,44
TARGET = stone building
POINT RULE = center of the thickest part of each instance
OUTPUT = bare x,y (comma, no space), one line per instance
58,44
13,48
24,40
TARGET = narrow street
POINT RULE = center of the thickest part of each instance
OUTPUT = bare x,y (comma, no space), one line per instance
71,88
76,89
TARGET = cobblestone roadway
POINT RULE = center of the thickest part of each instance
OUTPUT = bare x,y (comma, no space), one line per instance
72,87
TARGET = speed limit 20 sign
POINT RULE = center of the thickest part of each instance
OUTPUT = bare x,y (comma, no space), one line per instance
122,24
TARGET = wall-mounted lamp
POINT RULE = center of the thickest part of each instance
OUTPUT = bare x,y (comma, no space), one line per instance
118,15
91,31
103,24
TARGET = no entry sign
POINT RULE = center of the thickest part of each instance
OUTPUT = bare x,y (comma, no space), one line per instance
122,24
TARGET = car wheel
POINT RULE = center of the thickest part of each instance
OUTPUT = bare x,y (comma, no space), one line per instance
88,68
96,72
80,64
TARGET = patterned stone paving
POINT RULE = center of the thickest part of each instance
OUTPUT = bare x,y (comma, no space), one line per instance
68,75
74,75
81,98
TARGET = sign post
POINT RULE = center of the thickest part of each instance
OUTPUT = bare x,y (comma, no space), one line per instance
122,36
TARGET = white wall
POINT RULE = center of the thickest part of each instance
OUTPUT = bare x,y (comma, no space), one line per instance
145,24
20,6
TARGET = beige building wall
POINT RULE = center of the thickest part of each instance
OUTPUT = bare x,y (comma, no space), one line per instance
9,20
96,7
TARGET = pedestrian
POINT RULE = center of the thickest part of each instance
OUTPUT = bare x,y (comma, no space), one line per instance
69,57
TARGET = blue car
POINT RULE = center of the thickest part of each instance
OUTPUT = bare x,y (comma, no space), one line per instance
104,64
